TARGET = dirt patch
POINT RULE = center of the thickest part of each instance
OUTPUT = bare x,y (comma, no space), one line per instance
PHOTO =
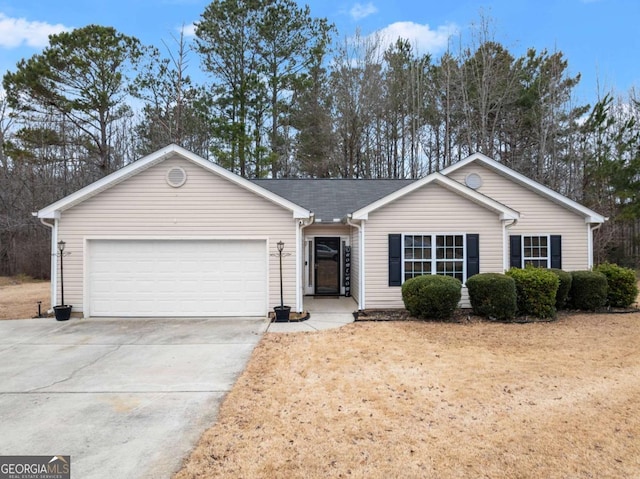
19,297
443,400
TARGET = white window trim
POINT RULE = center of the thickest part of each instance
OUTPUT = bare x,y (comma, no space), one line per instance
536,258
433,260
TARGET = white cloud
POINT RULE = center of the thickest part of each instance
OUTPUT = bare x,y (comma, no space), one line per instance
15,32
188,30
422,37
360,11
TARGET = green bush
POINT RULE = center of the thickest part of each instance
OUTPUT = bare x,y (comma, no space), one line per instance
536,289
588,290
493,295
431,296
623,287
562,295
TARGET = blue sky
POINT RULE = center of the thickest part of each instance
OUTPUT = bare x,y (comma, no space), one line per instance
599,37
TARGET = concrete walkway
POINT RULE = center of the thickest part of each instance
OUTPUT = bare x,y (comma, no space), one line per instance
125,398
325,313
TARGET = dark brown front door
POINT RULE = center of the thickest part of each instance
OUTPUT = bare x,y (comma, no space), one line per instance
327,266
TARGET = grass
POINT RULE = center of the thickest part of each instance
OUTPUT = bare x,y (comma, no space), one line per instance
440,400
19,296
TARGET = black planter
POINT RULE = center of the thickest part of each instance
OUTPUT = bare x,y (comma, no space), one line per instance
282,313
62,312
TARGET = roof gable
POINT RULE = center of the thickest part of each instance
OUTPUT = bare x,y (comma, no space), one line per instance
505,212
54,209
589,215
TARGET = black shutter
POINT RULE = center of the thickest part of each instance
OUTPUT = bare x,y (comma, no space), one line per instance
556,251
515,242
395,260
473,254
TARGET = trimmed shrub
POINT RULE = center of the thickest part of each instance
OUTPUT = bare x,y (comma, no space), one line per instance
431,296
493,295
623,287
536,289
562,295
588,290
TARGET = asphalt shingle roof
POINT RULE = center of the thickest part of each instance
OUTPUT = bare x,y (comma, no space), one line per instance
332,199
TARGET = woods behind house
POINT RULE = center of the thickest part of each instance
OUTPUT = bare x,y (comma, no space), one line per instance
279,94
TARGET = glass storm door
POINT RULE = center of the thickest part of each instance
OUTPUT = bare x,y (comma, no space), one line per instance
327,266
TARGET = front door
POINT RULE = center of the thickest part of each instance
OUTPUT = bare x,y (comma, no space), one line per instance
327,266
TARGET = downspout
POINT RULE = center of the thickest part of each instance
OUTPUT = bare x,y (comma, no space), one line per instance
590,230
301,224
505,243
54,265
361,281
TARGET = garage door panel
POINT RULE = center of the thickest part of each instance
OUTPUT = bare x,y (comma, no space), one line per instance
177,278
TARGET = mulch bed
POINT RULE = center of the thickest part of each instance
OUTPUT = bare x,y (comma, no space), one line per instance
459,316
293,317
466,315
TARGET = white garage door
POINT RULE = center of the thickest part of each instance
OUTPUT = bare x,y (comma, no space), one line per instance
177,278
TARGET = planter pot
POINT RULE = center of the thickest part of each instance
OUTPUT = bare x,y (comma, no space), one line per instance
282,313
62,312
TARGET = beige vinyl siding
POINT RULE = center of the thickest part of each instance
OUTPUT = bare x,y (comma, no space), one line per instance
206,207
431,209
322,230
538,215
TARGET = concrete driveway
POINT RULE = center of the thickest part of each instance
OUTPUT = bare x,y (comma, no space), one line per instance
122,397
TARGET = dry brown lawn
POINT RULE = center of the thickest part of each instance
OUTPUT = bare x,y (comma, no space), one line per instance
434,400
19,297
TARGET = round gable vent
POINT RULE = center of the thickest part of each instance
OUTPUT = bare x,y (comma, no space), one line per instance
176,177
473,181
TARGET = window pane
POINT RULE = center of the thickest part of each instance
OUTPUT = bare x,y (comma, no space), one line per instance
419,255
536,251
537,263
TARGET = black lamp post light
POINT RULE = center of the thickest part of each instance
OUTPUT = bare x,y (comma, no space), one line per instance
282,311
62,311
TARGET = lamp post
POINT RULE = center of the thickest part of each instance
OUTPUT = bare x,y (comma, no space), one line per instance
61,245
280,246
282,311
62,311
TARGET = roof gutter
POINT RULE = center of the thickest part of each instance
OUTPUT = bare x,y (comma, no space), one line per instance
591,227
361,280
54,269
505,242
302,223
